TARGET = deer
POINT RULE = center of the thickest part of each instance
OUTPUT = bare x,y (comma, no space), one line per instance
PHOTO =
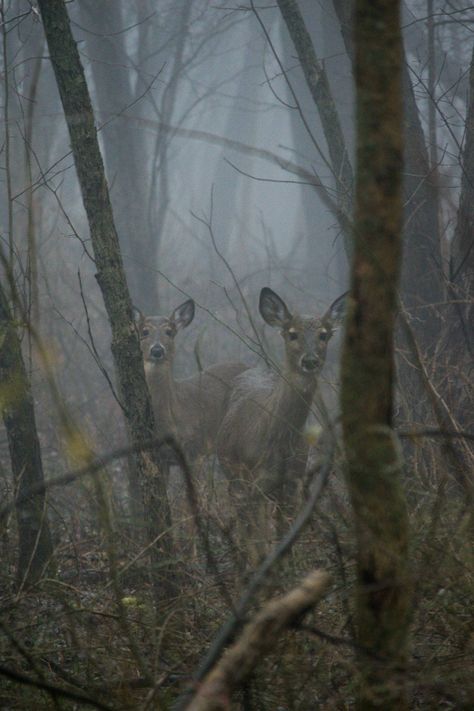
261,443
189,410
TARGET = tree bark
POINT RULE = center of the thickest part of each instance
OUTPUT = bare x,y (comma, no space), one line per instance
421,273
16,403
373,458
460,333
110,276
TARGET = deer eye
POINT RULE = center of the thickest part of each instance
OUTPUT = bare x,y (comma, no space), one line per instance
292,335
145,332
323,336
169,332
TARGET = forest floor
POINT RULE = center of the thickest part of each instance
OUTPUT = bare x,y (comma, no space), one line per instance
90,635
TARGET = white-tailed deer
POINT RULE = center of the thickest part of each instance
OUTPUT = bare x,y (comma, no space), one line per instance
189,410
261,443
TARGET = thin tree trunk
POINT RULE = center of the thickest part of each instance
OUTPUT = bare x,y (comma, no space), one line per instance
111,277
157,216
460,334
126,152
16,404
374,461
318,85
462,262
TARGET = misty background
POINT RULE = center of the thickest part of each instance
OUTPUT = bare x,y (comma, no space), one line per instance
223,180
172,86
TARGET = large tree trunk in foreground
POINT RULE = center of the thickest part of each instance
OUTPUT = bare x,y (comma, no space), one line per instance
421,280
16,404
110,273
373,470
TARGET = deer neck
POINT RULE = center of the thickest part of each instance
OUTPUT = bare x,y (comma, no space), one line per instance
293,397
164,395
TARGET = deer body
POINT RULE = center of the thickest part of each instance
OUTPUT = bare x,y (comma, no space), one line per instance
262,433
191,410
261,442
188,410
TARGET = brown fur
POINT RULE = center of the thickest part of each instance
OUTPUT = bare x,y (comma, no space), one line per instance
261,439
190,410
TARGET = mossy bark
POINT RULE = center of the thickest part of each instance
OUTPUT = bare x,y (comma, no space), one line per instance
16,403
126,351
373,458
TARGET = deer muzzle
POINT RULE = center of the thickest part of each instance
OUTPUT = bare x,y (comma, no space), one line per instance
309,363
157,352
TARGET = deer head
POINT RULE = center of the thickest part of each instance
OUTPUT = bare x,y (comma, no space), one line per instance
157,333
306,338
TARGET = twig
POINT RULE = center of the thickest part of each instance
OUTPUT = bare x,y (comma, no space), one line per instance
418,433
91,468
93,348
231,626
52,689
208,224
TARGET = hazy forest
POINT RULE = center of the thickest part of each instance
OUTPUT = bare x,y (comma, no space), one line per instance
236,355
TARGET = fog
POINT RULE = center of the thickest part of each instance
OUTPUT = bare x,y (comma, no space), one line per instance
172,86
223,180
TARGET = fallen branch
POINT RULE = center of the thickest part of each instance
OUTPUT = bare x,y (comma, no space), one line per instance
229,630
258,639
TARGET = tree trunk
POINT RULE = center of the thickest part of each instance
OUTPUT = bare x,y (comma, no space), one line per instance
16,402
460,334
462,261
110,276
373,469
125,143
318,85
421,279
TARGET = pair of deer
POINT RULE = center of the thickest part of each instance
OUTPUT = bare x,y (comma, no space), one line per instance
253,420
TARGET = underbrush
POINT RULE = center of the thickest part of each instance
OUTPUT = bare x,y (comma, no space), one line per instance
91,636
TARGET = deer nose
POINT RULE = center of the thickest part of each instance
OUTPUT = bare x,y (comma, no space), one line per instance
157,352
309,363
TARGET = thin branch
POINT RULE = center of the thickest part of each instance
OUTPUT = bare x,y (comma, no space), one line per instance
52,689
93,349
208,224
230,628
92,468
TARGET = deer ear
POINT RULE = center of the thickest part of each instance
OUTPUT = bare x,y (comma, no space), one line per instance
273,309
183,315
336,312
138,316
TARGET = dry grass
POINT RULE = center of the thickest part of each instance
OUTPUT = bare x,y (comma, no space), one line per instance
82,633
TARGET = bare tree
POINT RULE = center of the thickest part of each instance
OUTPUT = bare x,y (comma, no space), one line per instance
110,273
16,402
461,332
121,83
374,462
